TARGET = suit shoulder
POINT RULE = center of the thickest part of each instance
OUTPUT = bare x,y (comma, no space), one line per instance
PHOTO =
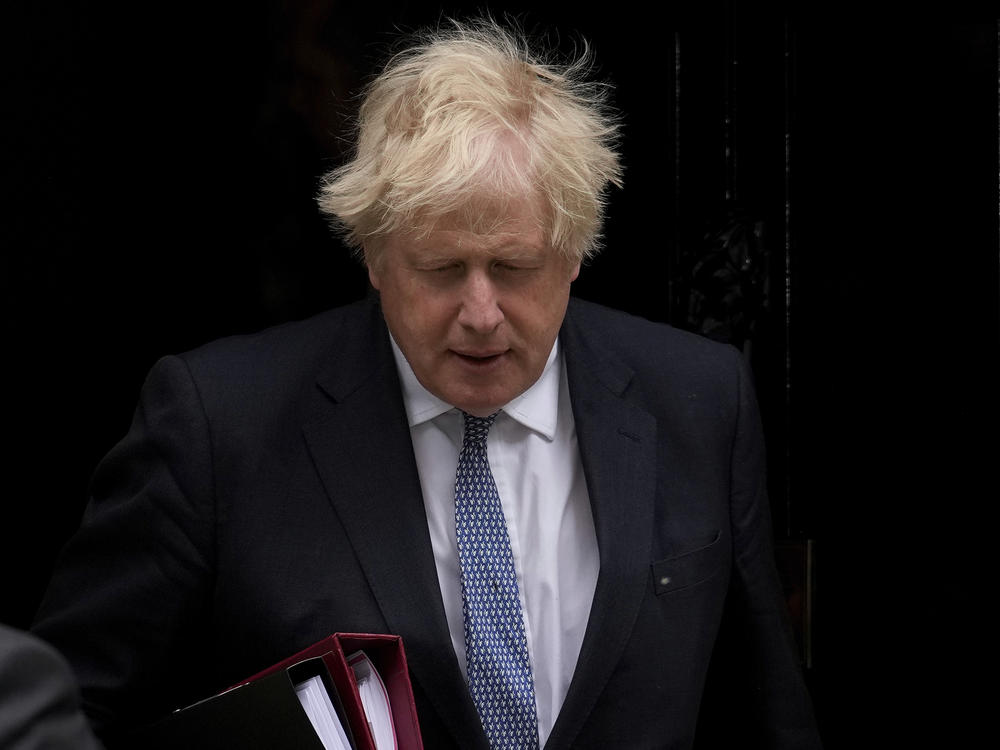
300,337
274,352
637,340
281,361
665,369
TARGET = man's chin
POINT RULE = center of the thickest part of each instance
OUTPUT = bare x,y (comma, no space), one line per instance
479,403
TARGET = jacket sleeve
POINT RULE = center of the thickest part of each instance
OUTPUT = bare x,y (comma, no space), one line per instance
756,633
131,584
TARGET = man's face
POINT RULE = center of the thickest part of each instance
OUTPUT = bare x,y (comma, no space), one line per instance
475,314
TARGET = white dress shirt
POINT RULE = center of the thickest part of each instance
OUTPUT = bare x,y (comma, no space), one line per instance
535,461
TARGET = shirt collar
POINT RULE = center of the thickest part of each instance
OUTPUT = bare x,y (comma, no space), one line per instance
537,408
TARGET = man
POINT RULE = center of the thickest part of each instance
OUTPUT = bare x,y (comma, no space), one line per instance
555,505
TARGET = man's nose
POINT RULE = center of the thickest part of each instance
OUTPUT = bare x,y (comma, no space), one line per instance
480,310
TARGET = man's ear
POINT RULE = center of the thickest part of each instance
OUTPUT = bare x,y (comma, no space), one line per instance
574,272
373,274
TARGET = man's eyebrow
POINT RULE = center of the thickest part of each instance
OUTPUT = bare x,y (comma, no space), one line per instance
520,254
431,261
513,240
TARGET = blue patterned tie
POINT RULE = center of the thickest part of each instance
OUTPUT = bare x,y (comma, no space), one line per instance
495,647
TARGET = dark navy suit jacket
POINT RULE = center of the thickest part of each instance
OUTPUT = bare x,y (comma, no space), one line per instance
267,495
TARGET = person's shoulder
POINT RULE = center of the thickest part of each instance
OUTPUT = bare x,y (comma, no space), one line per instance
26,659
277,362
666,368
635,338
39,700
286,340
20,647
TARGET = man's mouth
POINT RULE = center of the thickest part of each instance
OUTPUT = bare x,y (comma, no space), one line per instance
479,358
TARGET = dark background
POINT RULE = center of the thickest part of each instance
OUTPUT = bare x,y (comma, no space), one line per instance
159,167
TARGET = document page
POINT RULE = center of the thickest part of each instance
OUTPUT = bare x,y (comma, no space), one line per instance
375,700
319,708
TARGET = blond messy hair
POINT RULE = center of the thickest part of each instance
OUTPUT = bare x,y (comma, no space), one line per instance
470,116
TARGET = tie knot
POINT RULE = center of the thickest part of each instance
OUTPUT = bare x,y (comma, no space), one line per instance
476,428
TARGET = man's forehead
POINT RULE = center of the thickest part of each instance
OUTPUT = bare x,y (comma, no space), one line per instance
491,215
507,241
485,222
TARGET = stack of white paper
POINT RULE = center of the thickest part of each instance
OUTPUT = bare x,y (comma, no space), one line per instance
319,708
375,700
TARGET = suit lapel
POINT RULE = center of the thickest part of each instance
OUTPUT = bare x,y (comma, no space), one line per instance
617,442
360,442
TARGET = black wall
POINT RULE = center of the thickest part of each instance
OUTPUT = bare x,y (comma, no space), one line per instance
159,165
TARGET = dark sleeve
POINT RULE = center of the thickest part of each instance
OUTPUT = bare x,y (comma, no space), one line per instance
133,584
39,701
756,633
